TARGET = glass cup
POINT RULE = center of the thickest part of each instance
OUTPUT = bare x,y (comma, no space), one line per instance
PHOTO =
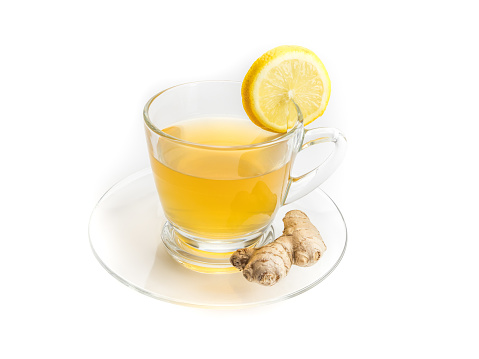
219,198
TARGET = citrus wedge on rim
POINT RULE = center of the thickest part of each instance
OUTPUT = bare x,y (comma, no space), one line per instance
280,78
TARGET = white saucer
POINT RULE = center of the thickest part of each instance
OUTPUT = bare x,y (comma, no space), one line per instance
125,235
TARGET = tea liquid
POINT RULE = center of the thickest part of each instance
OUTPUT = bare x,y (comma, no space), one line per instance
220,193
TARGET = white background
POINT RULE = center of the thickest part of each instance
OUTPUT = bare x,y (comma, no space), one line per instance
74,77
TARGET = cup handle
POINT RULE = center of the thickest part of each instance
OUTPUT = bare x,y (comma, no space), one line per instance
302,185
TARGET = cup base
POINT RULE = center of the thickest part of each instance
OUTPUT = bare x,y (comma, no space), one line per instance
191,254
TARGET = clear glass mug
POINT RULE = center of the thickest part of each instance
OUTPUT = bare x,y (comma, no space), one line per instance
217,199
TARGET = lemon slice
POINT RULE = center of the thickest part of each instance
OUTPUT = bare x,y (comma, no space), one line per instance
281,77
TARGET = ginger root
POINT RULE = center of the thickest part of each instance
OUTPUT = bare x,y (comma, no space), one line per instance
300,244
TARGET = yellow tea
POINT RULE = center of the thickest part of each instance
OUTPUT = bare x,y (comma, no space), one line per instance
222,192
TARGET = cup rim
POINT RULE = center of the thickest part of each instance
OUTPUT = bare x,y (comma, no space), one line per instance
159,132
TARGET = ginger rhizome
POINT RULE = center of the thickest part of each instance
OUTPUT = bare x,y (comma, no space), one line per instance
300,244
